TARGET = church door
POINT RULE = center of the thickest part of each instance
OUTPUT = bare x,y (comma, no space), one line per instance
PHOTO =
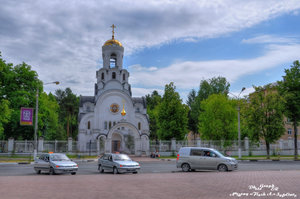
116,146
116,143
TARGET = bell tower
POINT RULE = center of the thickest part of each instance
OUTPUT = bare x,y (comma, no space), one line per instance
112,75
112,52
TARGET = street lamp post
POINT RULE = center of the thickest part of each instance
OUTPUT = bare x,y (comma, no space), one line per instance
36,119
239,123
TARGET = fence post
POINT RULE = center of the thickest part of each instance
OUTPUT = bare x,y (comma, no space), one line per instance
70,144
290,143
55,145
10,147
25,146
247,145
198,142
173,144
41,144
281,144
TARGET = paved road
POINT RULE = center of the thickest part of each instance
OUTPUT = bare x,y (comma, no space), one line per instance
90,168
192,185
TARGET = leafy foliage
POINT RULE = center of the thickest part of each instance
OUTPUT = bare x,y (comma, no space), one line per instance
266,115
215,85
172,115
69,107
289,88
218,120
18,88
153,102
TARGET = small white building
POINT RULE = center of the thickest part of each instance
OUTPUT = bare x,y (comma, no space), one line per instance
112,120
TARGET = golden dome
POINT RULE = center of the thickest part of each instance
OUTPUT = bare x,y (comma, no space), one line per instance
112,42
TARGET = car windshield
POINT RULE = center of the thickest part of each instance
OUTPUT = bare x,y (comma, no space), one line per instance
59,157
121,157
218,153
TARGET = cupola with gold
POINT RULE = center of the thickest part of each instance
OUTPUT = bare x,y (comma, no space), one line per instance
112,52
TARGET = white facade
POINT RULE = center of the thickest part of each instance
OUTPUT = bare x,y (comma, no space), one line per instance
102,127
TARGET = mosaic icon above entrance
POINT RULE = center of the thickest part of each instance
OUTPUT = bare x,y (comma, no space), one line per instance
114,108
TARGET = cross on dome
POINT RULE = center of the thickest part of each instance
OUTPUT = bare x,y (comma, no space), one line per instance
113,31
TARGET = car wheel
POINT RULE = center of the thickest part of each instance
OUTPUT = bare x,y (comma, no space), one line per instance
135,172
185,167
115,170
222,168
73,173
101,170
52,172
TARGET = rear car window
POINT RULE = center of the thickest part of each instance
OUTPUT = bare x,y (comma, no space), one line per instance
196,152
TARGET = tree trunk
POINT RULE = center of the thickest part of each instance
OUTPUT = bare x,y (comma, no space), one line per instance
268,149
295,140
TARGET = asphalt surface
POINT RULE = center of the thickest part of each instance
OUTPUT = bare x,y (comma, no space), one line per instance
152,166
191,185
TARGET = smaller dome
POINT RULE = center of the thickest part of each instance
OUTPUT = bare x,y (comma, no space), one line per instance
111,42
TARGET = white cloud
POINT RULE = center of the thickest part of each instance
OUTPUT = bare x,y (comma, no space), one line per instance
187,75
270,39
138,92
62,39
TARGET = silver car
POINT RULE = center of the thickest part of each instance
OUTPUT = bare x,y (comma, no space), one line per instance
55,163
117,163
191,158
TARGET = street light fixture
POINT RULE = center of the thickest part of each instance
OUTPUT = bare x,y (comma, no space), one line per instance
36,119
239,126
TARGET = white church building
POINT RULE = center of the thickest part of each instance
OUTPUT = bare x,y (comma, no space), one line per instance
112,120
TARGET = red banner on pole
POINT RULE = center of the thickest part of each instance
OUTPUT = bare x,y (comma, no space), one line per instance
26,117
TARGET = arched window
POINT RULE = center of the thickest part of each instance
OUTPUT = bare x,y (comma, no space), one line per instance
114,75
109,125
89,125
139,126
123,77
114,123
102,76
105,125
113,60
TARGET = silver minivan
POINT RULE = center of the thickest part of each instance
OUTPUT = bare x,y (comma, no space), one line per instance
191,158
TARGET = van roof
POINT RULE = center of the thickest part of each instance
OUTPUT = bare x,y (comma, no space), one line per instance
194,147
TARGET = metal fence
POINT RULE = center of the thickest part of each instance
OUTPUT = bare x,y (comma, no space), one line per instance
3,146
55,146
23,146
284,147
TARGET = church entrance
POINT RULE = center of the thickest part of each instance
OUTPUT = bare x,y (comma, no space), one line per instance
116,143
116,146
124,137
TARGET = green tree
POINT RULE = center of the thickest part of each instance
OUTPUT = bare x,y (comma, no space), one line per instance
215,85
18,86
266,115
172,115
69,107
48,118
5,113
289,88
218,120
153,102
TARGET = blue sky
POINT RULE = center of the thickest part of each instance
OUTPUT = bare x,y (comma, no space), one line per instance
248,42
